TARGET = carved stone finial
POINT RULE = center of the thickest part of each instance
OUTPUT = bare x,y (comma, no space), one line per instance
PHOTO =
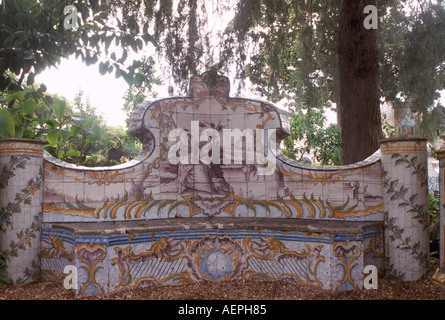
210,84
442,137
441,152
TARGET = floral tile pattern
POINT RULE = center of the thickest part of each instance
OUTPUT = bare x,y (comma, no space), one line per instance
21,182
405,185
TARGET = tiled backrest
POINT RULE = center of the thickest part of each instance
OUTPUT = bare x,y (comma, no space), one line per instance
158,185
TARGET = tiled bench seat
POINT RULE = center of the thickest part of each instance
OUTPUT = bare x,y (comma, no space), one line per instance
113,256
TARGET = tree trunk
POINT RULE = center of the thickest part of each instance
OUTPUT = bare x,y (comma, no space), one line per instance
359,106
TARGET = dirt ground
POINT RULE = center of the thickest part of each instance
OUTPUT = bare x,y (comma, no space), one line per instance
388,289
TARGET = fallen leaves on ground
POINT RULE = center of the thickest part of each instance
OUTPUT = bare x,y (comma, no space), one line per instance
388,289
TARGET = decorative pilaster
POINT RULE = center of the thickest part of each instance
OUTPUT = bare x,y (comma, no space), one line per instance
439,276
405,200
21,184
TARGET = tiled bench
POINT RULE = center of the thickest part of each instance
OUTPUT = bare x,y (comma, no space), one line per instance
114,256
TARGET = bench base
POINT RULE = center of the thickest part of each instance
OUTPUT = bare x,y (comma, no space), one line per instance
114,256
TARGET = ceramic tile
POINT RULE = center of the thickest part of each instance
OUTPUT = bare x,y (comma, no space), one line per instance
93,192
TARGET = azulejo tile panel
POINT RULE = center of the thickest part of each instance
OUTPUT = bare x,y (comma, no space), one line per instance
21,183
115,262
405,198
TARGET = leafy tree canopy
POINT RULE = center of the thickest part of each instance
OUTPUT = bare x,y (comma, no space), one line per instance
287,49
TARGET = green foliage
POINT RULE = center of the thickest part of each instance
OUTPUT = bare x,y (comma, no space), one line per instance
288,49
3,269
116,139
412,53
388,130
33,37
433,203
309,137
296,53
119,138
70,143
434,225
141,85
68,134
7,128
77,134
17,112
101,139
56,133
432,124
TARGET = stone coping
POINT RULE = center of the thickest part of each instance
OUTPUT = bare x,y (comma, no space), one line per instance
123,166
419,139
281,158
371,160
32,141
177,224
